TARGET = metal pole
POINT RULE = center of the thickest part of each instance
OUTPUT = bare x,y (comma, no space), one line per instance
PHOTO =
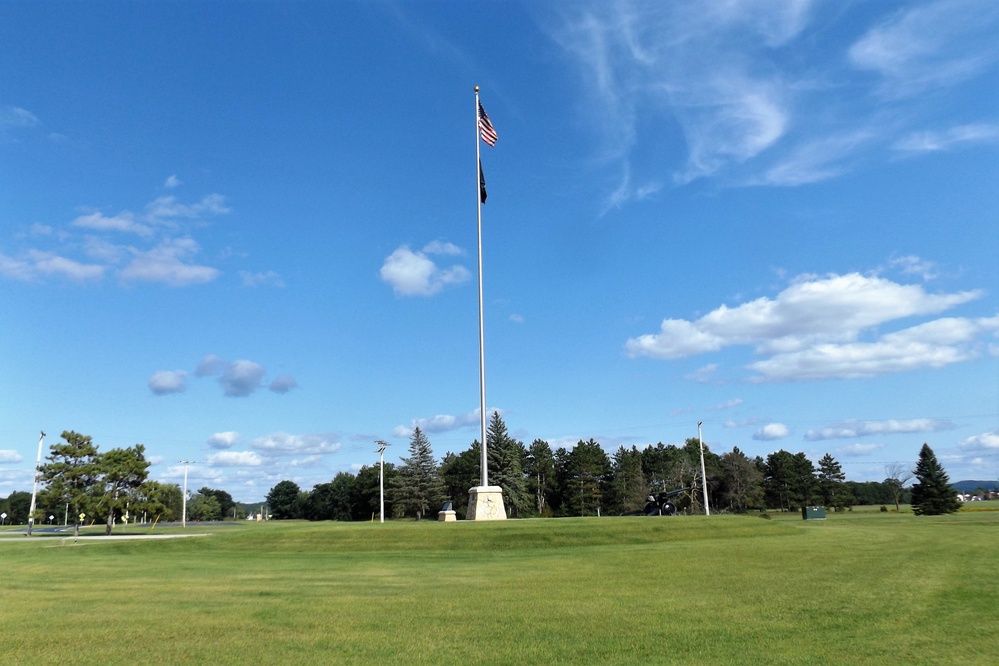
381,479
482,343
34,488
183,518
704,477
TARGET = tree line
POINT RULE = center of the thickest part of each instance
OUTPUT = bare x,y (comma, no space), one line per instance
81,485
586,481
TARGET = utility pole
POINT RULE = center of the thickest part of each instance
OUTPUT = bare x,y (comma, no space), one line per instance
704,477
381,479
34,488
183,519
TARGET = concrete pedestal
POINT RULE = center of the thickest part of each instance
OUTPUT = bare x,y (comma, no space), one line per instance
486,503
447,516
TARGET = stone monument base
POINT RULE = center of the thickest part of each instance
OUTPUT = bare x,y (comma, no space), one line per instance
485,503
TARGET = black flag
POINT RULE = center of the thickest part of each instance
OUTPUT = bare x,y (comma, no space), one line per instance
482,184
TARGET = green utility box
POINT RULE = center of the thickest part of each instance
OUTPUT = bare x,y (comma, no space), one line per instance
813,513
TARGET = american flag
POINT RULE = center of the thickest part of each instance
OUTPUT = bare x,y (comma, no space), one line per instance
486,130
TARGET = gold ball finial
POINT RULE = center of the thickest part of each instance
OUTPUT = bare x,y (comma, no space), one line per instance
476,88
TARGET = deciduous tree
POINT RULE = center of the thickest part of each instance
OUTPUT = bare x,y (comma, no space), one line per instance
285,501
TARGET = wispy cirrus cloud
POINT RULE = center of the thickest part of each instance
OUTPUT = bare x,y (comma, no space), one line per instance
931,45
814,329
739,90
948,139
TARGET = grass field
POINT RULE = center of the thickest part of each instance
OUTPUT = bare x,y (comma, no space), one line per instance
859,588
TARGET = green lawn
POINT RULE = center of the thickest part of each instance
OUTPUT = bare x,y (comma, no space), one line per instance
857,588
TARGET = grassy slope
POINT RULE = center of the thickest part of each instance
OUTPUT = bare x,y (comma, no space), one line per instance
863,588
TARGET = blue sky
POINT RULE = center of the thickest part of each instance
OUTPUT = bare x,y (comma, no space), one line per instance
244,234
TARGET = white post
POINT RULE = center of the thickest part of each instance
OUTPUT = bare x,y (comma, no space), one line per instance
482,339
704,477
34,488
183,517
381,479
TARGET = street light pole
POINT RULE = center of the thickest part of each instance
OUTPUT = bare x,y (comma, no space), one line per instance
183,518
704,476
34,488
381,479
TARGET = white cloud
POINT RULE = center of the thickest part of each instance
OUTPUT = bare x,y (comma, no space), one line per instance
167,263
163,208
441,423
931,345
210,365
771,431
36,264
858,450
9,456
282,384
728,404
161,253
13,116
932,45
935,141
171,182
815,160
166,382
704,374
234,459
986,442
266,279
850,429
241,378
912,265
223,440
281,443
810,330
412,273
124,222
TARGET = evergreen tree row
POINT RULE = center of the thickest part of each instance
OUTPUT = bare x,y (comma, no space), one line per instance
586,481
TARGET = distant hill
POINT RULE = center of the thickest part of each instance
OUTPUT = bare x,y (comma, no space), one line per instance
968,486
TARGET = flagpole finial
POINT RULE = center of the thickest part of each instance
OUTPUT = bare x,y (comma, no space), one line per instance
476,88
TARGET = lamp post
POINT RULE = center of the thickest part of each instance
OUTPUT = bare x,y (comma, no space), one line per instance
704,476
34,488
183,518
381,479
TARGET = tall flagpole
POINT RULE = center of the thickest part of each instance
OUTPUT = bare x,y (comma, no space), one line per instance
482,339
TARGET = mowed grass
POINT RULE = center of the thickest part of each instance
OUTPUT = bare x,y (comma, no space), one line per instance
863,588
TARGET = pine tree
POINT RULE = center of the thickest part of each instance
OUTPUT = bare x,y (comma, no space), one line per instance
932,494
506,466
832,488
628,488
418,487
539,468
